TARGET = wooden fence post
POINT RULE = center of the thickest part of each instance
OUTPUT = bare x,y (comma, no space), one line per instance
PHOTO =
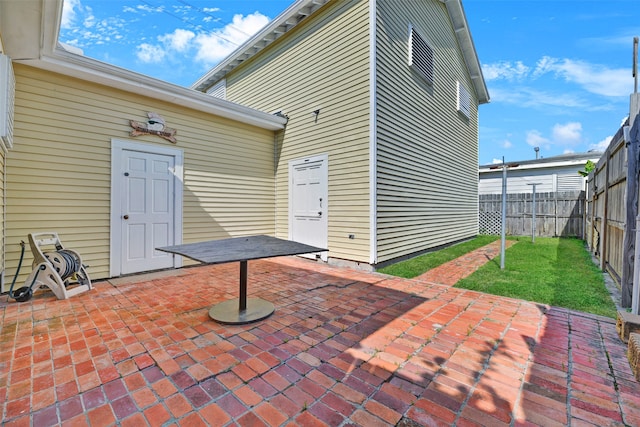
605,212
629,249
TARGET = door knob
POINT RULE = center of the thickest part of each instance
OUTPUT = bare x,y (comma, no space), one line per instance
126,217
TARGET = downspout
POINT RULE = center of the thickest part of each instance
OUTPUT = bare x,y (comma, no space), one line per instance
373,136
275,183
278,135
4,221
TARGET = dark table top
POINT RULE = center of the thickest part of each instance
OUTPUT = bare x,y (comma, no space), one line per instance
240,249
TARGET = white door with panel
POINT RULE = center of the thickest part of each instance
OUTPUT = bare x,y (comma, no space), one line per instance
145,193
308,202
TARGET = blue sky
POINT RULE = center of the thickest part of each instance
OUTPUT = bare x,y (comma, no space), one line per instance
559,72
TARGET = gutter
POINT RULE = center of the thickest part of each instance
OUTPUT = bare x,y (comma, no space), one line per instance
88,69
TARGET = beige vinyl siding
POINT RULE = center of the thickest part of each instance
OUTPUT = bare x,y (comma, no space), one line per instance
427,152
58,173
322,64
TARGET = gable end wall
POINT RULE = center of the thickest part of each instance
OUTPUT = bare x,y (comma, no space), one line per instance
323,64
427,152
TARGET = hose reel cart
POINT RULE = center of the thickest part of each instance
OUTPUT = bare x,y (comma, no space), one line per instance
56,267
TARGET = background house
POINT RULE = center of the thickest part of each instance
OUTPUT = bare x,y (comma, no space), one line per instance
559,202
556,173
378,160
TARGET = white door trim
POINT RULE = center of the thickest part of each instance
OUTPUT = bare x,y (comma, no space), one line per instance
324,158
117,147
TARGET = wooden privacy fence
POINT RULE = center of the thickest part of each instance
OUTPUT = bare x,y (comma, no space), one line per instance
612,196
557,214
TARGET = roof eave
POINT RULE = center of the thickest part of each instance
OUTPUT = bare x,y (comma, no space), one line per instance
463,34
282,24
548,162
45,52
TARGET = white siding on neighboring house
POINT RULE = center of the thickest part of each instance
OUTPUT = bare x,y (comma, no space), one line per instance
551,175
427,150
518,181
569,181
323,65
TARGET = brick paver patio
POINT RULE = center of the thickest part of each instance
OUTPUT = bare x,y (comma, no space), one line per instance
450,272
343,348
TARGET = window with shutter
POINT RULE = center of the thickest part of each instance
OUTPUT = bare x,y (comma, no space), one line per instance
464,100
421,55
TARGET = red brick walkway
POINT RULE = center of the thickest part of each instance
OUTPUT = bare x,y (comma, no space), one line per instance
343,348
452,271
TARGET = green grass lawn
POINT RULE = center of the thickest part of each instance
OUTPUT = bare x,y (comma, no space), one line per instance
554,271
416,266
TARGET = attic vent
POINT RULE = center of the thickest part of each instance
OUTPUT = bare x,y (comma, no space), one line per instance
464,101
7,100
422,56
219,90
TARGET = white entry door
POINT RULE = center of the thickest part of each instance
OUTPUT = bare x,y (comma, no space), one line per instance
145,204
308,202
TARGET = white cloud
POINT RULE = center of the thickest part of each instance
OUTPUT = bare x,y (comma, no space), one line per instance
209,47
563,136
624,120
535,139
544,65
179,40
150,54
524,96
507,144
150,9
69,13
505,70
216,45
602,145
79,27
594,78
567,134
496,161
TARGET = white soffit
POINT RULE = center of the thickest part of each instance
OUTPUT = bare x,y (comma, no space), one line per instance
282,24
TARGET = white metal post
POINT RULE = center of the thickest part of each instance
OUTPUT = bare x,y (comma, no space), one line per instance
503,226
533,213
